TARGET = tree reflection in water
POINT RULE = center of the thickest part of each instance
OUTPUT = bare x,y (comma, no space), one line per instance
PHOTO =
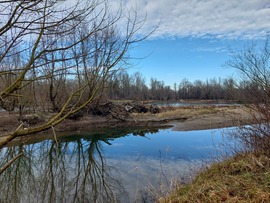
68,170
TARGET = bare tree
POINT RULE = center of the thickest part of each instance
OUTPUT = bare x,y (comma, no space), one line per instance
64,51
253,63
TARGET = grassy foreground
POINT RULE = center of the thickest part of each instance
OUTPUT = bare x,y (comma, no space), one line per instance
244,178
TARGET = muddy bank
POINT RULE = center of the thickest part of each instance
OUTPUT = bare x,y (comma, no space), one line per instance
179,118
139,115
216,117
211,121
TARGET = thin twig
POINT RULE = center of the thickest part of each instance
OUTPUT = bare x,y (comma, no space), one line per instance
161,168
3,168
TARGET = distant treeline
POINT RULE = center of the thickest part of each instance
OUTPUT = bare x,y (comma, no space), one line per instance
133,86
52,93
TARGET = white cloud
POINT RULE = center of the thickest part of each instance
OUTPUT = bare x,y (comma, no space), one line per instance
211,49
201,18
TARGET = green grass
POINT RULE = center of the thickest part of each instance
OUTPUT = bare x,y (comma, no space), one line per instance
244,178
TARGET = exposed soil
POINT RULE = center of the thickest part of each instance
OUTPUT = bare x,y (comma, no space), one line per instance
217,117
138,114
179,118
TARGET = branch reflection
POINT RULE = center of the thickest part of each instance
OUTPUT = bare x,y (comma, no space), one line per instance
71,169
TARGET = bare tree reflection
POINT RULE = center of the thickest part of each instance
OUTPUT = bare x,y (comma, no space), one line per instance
59,172
70,169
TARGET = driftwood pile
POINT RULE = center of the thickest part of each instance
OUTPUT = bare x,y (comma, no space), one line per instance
31,119
139,107
122,111
112,110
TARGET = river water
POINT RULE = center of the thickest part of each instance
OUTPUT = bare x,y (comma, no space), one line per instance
190,104
113,165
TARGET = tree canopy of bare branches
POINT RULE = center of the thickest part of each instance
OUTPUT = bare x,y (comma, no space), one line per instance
55,56
253,63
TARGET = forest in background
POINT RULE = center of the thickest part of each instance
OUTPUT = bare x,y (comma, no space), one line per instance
50,95
134,87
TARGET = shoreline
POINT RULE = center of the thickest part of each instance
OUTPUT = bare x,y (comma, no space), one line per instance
176,118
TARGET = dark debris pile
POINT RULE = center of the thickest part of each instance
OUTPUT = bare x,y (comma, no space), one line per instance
122,111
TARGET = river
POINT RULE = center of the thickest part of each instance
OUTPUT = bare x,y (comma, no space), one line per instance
113,165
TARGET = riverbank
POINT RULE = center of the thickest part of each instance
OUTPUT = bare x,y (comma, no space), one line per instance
243,178
179,118
189,118
202,118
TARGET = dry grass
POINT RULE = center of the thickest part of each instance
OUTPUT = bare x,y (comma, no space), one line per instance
197,111
181,112
244,178
199,117
189,111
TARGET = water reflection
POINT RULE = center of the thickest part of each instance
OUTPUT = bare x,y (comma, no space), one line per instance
192,104
106,166
71,169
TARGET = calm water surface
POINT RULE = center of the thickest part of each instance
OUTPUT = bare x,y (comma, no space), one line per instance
190,104
119,165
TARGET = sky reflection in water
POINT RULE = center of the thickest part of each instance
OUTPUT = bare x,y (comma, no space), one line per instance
157,159
173,145
106,166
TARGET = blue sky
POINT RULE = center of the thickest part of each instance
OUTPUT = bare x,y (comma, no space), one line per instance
171,60
194,37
